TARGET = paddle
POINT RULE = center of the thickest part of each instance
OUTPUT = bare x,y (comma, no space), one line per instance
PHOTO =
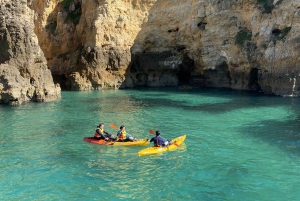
113,126
152,133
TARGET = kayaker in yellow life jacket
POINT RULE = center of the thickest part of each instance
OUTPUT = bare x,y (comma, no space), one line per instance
100,133
160,141
123,136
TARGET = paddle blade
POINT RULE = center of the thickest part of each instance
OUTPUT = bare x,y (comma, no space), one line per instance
113,126
151,132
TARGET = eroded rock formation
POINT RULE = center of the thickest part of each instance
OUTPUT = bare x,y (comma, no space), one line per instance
24,75
239,44
87,42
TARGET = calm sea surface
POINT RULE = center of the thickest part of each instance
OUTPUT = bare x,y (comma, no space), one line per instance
239,146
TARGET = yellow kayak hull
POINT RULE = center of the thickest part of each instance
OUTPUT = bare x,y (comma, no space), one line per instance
141,142
176,142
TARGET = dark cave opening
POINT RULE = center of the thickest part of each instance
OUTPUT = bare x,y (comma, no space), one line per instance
253,80
185,70
184,75
61,79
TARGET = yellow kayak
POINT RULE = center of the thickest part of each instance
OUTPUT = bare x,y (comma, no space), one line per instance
157,150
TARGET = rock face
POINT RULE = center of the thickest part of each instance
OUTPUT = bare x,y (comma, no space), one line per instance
239,44
87,42
24,75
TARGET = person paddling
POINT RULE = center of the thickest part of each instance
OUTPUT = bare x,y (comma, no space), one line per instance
123,136
100,133
160,141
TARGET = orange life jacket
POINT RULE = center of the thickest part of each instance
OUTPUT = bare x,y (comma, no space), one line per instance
122,135
97,134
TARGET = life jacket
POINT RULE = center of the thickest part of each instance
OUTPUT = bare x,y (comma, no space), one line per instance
97,134
122,135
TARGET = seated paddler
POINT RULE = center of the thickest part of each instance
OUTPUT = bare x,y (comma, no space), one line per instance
160,141
101,134
123,136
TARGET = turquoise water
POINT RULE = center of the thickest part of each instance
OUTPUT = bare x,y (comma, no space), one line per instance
239,146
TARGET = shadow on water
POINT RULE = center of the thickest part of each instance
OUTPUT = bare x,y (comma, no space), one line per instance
284,135
209,99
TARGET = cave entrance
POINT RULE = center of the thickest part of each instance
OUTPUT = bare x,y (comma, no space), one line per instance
185,70
61,79
253,80
184,75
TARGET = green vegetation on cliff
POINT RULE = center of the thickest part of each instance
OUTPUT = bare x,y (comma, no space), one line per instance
65,3
266,5
242,36
73,14
74,17
280,35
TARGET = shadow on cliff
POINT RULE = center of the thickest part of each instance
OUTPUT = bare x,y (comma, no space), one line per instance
62,56
151,67
160,56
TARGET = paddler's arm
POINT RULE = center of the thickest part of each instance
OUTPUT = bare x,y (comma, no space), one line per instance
118,135
108,134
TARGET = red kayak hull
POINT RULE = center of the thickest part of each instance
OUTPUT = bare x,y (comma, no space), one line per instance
93,140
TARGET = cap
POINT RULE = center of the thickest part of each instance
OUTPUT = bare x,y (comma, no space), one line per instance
157,133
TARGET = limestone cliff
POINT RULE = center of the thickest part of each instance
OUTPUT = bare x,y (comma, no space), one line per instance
87,42
238,44
24,75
